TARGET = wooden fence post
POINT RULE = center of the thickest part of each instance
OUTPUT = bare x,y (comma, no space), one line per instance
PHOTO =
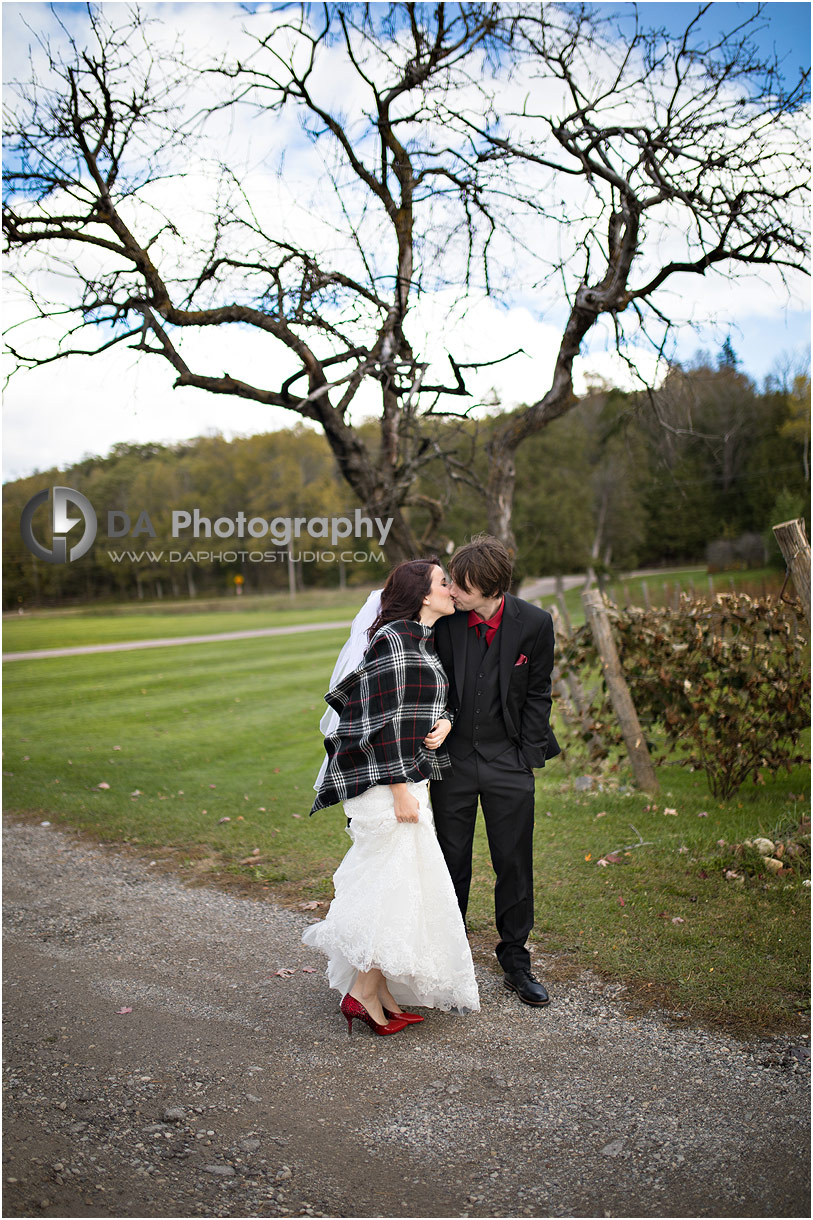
599,623
574,695
795,548
560,598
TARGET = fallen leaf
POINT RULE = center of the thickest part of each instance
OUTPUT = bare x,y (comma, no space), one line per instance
220,821
256,851
589,856
670,812
213,785
116,747
310,906
120,1012
296,815
284,973
603,814
262,809
613,857
678,919
621,901
136,792
308,970
602,862
702,814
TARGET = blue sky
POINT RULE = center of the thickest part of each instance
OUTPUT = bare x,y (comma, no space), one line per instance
785,28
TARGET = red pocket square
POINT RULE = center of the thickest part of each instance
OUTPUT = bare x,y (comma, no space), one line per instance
521,660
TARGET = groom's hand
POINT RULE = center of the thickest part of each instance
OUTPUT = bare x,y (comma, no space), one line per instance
437,734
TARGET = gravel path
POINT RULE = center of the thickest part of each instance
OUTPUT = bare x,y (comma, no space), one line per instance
229,1091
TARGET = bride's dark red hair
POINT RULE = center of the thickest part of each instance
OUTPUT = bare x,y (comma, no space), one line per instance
402,596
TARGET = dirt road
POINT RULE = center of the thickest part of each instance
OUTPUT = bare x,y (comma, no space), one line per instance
156,1065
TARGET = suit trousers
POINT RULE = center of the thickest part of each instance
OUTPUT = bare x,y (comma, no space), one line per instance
505,788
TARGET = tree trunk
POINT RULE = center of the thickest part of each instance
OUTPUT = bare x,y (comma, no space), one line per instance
373,484
500,492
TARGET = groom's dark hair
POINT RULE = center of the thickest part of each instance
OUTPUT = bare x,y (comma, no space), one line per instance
484,564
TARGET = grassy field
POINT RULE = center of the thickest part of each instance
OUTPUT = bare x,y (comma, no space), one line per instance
162,620
106,624
206,754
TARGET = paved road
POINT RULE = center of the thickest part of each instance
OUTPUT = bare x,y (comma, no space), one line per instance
157,1065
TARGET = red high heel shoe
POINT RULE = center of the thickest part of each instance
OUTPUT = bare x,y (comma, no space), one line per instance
353,1010
411,1018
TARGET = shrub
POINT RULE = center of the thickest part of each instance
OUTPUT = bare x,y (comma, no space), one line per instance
725,682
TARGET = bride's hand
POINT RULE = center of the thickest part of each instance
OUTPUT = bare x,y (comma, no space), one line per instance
438,734
406,806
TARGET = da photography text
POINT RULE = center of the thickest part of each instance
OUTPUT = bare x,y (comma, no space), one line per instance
190,524
280,530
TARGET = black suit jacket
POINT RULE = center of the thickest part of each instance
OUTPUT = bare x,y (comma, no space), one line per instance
525,630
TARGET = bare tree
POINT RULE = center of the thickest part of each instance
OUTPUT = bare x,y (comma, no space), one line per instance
665,157
437,164
92,139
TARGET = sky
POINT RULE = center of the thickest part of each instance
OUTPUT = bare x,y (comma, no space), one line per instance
56,415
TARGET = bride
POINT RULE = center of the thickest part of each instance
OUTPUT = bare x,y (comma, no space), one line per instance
394,934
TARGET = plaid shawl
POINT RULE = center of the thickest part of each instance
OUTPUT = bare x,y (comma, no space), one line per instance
386,707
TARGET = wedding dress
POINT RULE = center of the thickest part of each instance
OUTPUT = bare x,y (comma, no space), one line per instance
395,909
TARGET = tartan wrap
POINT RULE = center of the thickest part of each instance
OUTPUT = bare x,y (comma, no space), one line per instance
386,707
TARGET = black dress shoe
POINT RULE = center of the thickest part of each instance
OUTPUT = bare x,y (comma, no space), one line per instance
527,988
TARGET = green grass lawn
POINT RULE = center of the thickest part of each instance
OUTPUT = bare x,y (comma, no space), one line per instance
186,737
106,624
162,620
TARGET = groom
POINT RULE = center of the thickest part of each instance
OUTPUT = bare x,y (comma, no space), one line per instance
497,651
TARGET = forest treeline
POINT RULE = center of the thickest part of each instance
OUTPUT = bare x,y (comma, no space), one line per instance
697,471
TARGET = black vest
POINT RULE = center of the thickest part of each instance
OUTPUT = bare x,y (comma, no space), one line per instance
479,723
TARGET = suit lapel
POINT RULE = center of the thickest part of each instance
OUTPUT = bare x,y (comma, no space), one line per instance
509,637
457,634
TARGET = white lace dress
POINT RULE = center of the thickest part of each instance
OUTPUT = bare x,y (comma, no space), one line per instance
395,909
